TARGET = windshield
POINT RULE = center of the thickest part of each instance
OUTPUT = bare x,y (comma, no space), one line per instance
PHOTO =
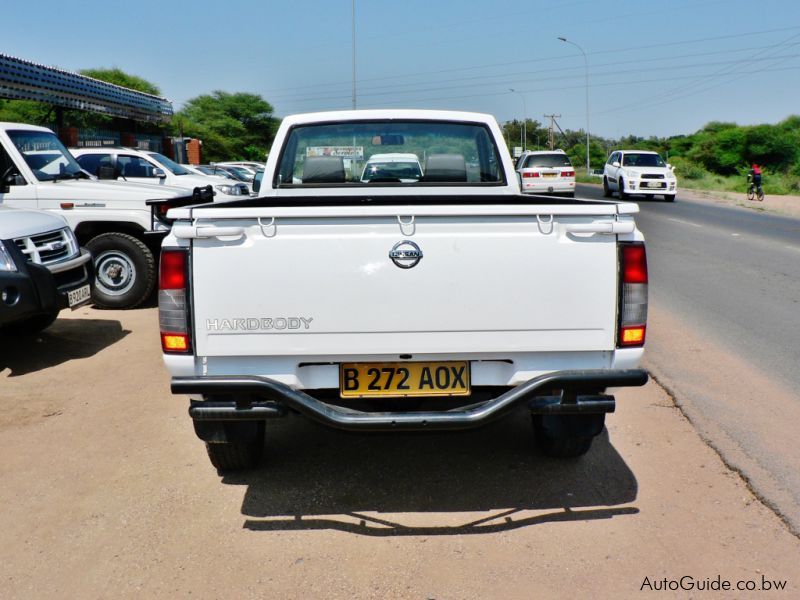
642,160
405,171
241,174
389,153
171,165
45,155
547,160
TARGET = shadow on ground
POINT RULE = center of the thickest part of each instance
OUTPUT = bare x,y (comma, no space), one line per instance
64,340
417,484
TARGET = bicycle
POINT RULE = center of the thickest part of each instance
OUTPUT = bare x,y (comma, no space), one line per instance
755,192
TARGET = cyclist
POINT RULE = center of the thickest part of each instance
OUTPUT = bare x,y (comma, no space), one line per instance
754,179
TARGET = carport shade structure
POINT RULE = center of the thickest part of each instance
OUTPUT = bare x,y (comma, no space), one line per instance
24,80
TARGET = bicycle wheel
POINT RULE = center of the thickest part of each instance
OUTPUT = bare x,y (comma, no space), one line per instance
760,195
751,193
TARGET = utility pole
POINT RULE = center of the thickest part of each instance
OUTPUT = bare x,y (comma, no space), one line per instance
524,131
551,138
586,65
354,54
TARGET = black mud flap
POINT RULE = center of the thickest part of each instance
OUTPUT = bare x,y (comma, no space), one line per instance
222,432
558,426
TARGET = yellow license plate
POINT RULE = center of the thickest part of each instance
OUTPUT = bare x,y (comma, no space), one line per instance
549,174
398,380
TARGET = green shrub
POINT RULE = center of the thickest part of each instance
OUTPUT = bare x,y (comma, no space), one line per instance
687,169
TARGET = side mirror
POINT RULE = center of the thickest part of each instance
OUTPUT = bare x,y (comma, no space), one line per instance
10,177
106,172
160,173
670,167
615,163
257,181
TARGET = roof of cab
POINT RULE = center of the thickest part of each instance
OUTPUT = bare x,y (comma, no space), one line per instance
383,114
5,125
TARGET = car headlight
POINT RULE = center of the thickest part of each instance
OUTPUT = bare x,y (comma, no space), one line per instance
230,190
6,260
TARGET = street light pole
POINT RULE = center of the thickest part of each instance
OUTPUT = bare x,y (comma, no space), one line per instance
354,54
524,132
586,65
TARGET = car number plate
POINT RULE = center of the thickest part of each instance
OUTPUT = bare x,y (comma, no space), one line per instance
79,296
549,174
397,380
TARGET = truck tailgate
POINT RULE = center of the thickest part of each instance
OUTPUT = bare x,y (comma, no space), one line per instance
327,285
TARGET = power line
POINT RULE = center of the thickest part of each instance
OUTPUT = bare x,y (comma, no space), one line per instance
505,78
548,59
367,93
575,87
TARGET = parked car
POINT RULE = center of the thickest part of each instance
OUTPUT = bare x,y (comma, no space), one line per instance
222,172
398,166
193,169
42,269
639,172
140,166
112,219
243,173
250,165
546,172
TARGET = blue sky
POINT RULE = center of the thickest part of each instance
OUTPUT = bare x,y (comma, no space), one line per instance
655,68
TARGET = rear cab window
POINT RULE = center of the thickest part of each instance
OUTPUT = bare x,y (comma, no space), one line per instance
389,153
547,160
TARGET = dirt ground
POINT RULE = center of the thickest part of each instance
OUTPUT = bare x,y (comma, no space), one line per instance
784,205
106,493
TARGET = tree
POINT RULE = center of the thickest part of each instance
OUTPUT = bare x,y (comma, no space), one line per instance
232,126
120,77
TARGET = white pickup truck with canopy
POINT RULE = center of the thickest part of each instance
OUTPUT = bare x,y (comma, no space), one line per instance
442,301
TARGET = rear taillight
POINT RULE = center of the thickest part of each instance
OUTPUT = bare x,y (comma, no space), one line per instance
568,173
173,310
633,294
529,174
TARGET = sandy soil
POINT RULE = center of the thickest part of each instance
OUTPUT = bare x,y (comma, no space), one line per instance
106,493
785,205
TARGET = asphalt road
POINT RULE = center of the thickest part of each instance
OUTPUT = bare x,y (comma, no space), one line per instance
724,334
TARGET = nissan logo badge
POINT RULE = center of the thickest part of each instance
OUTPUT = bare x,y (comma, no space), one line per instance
405,254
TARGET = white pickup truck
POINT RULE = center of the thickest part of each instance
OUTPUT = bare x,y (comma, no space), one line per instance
441,302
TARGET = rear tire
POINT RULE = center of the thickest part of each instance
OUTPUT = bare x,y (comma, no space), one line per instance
606,189
669,197
236,456
125,270
565,436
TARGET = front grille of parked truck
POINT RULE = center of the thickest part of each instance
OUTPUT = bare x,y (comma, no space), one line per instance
49,248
